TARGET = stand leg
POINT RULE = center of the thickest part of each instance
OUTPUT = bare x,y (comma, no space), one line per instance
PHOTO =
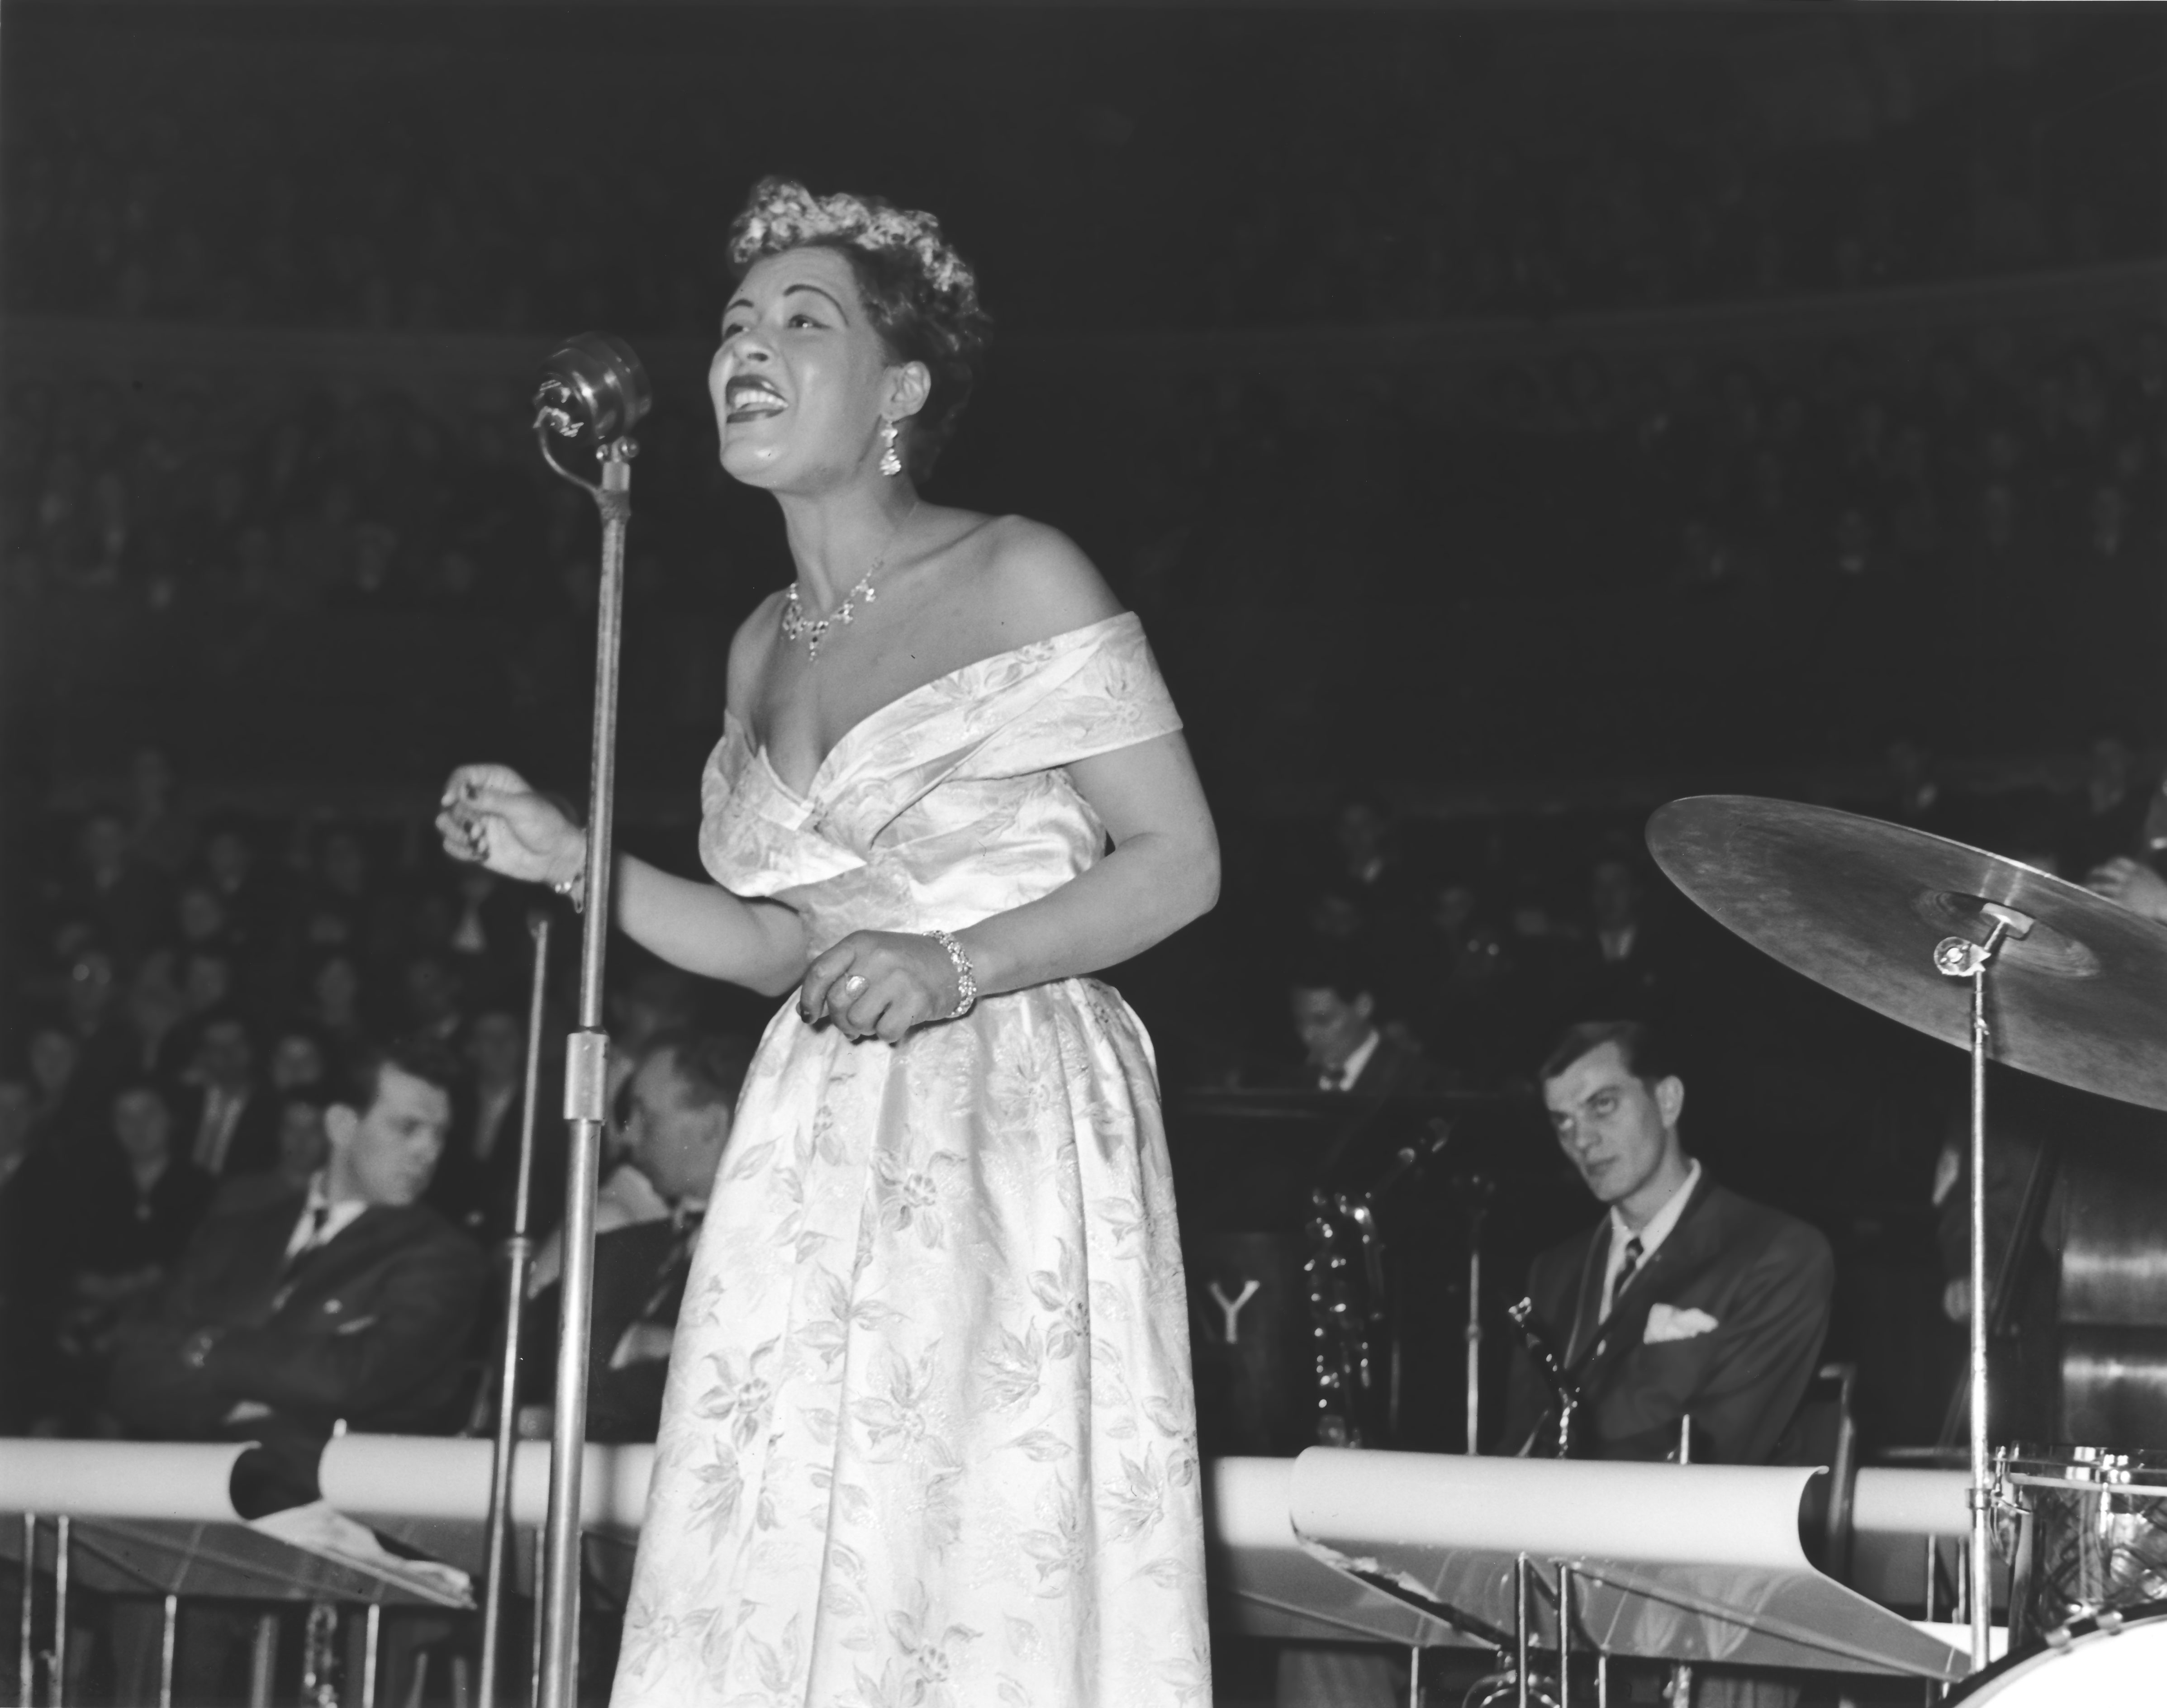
1520,1633
1475,1338
26,1656
1960,958
262,1660
56,1685
1565,1604
168,1631
1414,1676
372,1646
518,1257
536,1635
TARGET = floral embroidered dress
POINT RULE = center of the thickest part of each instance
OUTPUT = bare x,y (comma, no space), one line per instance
929,1438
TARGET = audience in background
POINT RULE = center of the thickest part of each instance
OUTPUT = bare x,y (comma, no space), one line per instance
681,1096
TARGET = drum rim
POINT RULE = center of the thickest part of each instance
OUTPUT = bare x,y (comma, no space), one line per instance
2067,1466
2078,1630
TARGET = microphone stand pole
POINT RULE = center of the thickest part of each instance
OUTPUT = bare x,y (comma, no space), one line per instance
586,1071
593,385
518,1261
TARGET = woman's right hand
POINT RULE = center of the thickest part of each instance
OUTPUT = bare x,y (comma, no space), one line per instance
490,817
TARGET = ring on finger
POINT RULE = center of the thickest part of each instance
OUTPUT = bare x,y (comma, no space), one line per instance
854,984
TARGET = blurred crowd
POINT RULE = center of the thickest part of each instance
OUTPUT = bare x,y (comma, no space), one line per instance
1742,541
200,992
236,195
199,986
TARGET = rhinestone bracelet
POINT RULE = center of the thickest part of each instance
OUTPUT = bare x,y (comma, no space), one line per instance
966,982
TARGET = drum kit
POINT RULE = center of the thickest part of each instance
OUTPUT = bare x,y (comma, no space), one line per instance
2016,966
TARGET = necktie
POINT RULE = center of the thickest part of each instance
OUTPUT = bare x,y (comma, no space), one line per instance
320,1216
1632,1252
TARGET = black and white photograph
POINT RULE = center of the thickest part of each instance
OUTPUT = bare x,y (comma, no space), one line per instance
1082,855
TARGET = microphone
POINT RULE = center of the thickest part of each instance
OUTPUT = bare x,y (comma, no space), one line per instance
593,382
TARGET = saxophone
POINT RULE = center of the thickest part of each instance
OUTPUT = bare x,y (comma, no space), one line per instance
1350,1302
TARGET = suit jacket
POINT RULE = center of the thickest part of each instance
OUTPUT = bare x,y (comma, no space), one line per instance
1761,1282
639,1277
475,1192
368,1327
254,1145
1364,1140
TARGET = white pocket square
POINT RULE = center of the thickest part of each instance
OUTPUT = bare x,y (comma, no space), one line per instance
1667,1322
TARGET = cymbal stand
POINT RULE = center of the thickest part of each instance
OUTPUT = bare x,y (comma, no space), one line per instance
1477,1190
1960,958
518,1259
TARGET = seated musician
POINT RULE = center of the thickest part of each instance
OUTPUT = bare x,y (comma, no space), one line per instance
1686,1300
1332,998
298,1305
681,1100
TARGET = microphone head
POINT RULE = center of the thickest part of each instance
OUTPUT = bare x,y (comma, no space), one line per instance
593,383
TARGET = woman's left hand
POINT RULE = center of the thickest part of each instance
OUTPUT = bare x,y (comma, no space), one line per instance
880,984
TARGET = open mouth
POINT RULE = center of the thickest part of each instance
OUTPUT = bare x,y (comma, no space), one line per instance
750,399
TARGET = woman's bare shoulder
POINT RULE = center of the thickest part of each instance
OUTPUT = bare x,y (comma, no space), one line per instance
1031,581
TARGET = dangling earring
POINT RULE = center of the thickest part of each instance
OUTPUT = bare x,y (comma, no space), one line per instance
890,463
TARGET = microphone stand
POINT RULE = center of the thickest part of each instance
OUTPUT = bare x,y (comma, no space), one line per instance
518,1259
595,384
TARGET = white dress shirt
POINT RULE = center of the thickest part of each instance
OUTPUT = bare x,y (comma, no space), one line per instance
222,1111
314,1230
1658,1230
1350,1069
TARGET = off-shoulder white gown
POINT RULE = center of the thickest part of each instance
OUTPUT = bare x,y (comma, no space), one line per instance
928,1439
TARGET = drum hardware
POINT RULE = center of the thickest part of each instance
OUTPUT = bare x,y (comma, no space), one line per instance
1552,1371
29,1655
1475,1191
1519,1683
2114,1659
2084,1532
1849,902
2009,1274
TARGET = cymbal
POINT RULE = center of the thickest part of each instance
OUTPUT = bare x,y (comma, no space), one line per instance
1858,904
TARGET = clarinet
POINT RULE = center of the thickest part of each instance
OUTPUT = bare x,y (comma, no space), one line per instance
1552,1371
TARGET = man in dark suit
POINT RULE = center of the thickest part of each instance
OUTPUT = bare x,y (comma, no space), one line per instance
479,1176
681,1100
227,1122
296,1308
1334,1008
1686,1300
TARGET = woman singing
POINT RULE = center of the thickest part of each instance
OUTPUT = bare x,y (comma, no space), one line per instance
929,1434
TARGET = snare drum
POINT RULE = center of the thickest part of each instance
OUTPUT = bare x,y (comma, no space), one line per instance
2097,1664
2086,1534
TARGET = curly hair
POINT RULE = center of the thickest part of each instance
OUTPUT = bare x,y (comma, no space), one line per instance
921,296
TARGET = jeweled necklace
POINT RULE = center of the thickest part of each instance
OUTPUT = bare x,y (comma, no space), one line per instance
795,627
